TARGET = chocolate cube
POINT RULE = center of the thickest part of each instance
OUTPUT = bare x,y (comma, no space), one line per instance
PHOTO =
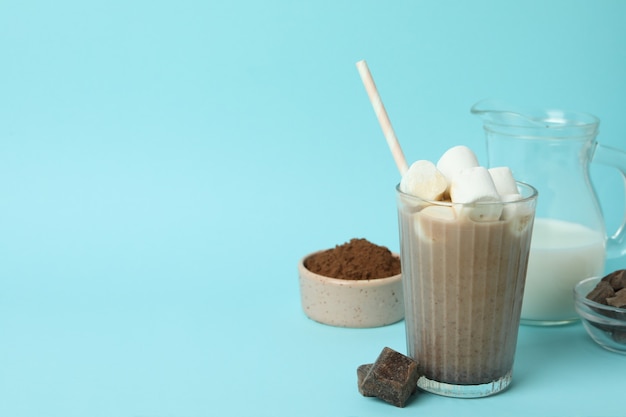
361,373
392,378
617,279
601,292
619,300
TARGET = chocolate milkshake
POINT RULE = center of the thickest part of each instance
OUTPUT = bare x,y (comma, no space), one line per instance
463,285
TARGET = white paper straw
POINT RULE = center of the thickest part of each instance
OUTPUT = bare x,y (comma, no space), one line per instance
383,118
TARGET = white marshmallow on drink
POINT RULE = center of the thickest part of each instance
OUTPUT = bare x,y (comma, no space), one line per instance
510,210
507,198
507,188
424,180
439,212
520,215
471,187
423,227
455,160
503,180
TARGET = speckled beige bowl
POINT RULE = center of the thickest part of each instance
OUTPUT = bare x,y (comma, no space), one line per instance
351,303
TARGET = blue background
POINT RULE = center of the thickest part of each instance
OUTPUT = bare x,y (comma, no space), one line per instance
164,165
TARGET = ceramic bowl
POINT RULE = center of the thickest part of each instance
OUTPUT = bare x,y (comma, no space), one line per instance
605,324
350,303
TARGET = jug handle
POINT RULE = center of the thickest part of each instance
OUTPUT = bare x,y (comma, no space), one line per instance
605,155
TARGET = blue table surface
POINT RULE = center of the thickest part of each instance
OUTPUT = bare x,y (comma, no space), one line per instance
164,165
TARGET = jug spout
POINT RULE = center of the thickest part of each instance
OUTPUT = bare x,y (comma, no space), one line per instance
495,111
505,118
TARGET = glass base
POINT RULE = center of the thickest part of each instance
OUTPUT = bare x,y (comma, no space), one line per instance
465,391
529,322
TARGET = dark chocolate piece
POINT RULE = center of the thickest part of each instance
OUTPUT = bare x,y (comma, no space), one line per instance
601,292
392,378
617,279
361,373
619,300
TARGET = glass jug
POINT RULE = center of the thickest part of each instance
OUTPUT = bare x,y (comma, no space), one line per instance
552,150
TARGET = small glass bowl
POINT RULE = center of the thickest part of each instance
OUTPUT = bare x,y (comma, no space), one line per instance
605,324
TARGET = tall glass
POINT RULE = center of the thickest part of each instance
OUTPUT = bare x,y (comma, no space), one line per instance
463,284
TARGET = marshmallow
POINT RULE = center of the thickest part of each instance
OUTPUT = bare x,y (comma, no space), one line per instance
519,214
523,218
507,198
439,212
455,160
428,218
472,187
424,180
503,179
510,210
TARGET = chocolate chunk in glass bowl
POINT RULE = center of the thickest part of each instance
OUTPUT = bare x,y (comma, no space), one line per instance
619,300
617,279
601,292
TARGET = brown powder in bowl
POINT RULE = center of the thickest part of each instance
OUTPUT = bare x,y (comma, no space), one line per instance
358,259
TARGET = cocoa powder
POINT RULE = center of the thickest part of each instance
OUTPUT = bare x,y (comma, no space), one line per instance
357,259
